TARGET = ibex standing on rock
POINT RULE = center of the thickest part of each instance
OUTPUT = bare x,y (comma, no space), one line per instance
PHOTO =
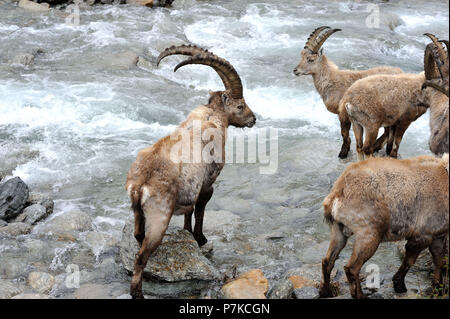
384,199
332,83
435,91
162,182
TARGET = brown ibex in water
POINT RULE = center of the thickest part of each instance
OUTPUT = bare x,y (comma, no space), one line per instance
384,199
332,83
162,182
436,91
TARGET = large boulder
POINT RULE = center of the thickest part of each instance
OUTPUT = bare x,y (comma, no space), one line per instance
13,197
177,259
65,227
41,282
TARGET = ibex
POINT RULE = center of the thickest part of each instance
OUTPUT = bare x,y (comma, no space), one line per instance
162,182
435,91
384,199
332,83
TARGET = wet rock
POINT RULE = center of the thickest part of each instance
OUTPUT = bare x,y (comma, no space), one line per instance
144,64
8,290
251,285
41,281
299,282
178,258
65,227
3,223
282,290
31,296
98,242
97,291
33,6
13,197
32,214
391,20
306,293
40,199
147,3
217,222
15,229
121,61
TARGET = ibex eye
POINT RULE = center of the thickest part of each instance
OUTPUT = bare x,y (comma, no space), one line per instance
240,107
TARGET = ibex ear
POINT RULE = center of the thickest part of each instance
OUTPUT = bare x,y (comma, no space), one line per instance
225,99
211,93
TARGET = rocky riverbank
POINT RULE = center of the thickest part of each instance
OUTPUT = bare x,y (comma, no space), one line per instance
50,254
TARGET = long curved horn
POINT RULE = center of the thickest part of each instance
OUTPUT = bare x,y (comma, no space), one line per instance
431,69
442,54
313,36
221,66
190,50
226,71
441,58
321,38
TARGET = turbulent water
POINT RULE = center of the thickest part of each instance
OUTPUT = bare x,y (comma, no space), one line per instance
72,124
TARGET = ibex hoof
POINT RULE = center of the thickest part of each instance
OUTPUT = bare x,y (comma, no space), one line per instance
137,295
201,239
325,291
343,154
400,287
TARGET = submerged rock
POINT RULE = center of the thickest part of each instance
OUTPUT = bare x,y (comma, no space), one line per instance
13,197
32,214
41,282
15,229
251,285
177,259
8,290
65,227
97,291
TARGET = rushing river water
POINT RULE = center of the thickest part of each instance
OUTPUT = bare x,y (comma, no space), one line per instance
72,124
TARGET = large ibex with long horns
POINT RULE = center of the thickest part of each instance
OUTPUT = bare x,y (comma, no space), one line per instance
436,94
332,83
166,178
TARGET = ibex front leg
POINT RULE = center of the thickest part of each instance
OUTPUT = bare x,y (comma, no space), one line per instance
203,199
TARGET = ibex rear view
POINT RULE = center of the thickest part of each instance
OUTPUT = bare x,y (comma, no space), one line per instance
164,180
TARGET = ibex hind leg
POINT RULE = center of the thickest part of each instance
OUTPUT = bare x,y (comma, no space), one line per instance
158,210
366,244
438,252
337,242
345,132
203,199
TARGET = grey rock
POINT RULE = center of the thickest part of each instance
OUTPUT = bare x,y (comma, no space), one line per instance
3,223
41,282
282,290
97,291
306,293
178,258
33,6
15,229
40,199
65,227
32,214
8,290
13,197
31,296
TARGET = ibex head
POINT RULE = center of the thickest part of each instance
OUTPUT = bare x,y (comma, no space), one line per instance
231,101
436,65
312,53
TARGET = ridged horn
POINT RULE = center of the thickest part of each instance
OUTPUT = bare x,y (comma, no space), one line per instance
309,43
318,39
226,71
431,69
436,86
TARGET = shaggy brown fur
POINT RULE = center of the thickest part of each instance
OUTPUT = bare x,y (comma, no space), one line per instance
162,182
383,101
332,83
383,199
